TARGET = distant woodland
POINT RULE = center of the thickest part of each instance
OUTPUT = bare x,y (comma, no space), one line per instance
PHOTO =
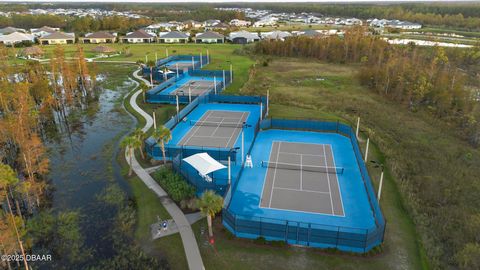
460,15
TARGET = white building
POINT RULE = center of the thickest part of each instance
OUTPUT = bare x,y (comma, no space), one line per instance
15,38
240,23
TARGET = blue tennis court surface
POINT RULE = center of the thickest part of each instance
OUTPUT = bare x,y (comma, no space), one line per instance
307,184
181,87
246,199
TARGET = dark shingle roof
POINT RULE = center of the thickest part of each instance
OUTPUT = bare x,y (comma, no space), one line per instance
139,34
174,34
57,35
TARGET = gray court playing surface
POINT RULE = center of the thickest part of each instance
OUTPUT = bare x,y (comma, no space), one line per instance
179,65
301,190
197,87
214,134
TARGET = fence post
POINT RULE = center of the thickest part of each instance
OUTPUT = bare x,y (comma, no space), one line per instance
309,232
338,237
286,231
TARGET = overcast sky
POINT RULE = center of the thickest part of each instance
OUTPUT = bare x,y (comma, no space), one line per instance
223,1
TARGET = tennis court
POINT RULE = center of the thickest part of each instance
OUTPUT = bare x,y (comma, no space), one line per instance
194,88
302,177
181,64
216,128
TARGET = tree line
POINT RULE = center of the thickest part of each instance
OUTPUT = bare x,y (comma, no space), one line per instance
76,24
32,96
455,15
431,79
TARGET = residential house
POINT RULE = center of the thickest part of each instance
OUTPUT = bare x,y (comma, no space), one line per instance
208,23
267,21
139,36
8,30
275,35
57,38
42,31
193,24
173,37
99,37
217,26
15,38
209,37
243,37
240,23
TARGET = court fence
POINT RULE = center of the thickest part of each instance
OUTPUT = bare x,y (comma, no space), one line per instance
176,153
156,95
310,234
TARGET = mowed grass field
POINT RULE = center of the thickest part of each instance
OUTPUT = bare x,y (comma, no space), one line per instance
221,55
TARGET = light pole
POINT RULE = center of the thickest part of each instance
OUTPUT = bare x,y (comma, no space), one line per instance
382,167
244,125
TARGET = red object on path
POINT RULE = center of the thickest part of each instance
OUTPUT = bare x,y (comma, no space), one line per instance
212,241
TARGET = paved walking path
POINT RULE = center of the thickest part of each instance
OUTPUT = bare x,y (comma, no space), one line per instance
188,238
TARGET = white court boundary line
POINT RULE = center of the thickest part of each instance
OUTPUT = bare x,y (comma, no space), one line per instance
338,181
299,211
274,175
328,178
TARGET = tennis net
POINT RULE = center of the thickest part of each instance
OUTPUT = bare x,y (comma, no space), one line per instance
301,167
216,124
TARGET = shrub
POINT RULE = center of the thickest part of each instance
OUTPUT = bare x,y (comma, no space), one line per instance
174,185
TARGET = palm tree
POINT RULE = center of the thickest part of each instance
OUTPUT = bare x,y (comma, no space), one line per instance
130,143
162,135
141,136
210,204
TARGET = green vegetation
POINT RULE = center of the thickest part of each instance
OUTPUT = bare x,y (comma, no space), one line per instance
174,184
422,164
210,204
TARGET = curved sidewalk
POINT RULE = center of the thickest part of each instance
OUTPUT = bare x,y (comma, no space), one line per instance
188,238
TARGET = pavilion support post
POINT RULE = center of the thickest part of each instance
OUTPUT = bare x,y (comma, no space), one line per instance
268,98
156,57
231,73
208,58
193,63
166,52
261,111
201,60
176,66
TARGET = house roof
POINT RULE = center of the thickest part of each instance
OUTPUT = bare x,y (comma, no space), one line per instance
276,35
311,33
9,30
45,29
139,34
220,25
174,34
243,34
59,35
210,35
101,34
16,37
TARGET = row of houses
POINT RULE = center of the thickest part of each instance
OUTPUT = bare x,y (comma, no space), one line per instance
47,36
383,23
77,12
